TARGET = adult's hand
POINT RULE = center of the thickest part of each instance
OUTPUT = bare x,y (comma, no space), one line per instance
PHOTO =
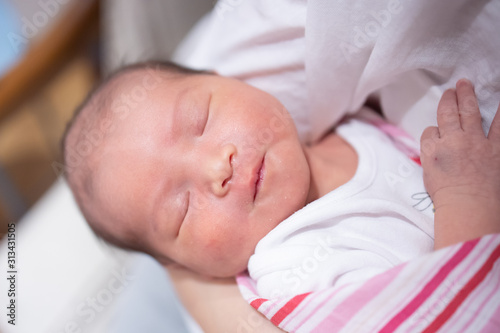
216,304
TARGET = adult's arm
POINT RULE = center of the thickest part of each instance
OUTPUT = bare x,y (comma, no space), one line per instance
216,304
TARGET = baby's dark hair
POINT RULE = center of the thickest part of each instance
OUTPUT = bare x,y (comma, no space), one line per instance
84,137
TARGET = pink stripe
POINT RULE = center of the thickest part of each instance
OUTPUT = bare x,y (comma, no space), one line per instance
334,292
473,301
478,254
416,160
312,297
390,128
493,324
396,133
256,303
467,290
245,281
279,302
288,308
431,271
273,304
429,288
344,312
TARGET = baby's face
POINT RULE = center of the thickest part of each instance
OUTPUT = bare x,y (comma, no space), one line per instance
204,168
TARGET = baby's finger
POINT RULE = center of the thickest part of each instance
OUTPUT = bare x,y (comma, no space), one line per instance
428,142
494,133
447,114
470,118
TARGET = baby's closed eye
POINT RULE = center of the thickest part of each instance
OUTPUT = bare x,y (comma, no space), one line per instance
203,120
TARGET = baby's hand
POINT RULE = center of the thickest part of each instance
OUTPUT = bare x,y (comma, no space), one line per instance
461,165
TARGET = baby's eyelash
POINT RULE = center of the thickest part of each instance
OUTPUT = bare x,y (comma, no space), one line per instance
186,209
203,125
207,113
187,205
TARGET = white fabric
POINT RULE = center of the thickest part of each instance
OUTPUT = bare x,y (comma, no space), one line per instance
323,58
61,265
377,220
260,42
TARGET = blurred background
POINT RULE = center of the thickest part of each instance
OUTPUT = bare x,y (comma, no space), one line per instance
49,60
52,52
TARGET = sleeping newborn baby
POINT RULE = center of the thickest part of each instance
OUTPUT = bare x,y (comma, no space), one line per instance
208,172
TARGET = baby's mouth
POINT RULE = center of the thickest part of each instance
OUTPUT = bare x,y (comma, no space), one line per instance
260,178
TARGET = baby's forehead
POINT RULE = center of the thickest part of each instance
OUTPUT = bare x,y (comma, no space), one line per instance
127,94
142,104
128,81
135,89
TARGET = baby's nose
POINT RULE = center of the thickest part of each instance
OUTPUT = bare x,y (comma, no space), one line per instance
220,170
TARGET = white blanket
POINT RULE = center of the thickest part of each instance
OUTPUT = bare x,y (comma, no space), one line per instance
404,52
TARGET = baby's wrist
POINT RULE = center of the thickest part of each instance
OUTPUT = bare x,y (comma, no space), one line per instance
466,197
460,221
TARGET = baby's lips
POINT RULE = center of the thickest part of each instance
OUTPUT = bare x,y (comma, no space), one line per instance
257,177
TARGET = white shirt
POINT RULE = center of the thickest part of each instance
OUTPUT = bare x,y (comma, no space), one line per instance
380,218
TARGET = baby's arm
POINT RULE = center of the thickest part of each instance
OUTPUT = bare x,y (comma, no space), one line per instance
462,169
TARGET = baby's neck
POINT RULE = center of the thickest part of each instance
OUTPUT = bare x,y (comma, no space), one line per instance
332,162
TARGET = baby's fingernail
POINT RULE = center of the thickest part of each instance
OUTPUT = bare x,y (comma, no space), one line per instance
464,81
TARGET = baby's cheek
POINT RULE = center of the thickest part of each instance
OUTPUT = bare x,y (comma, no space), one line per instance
205,242
222,244
218,241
